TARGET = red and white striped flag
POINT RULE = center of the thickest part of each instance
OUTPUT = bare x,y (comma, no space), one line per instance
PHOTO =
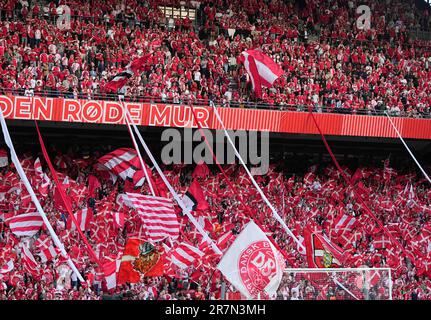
184,255
158,216
262,69
83,217
123,162
25,225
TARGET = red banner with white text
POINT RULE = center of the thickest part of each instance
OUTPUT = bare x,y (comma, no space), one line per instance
169,115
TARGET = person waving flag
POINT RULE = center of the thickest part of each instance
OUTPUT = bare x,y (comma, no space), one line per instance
262,69
120,79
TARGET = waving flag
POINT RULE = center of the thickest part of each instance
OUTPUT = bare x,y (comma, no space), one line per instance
184,255
343,223
83,217
121,78
47,249
321,253
29,263
123,162
38,168
252,264
8,267
158,216
42,180
60,162
110,270
381,241
262,69
139,257
118,218
25,225
93,185
194,199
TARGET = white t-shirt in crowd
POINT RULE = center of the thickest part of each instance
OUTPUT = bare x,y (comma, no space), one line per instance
197,76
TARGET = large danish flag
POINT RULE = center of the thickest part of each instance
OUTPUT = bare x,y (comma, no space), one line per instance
262,69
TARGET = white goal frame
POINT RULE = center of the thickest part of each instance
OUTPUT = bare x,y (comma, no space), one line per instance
329,270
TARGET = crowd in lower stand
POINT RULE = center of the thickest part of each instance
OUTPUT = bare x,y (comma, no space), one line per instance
314,199
330,64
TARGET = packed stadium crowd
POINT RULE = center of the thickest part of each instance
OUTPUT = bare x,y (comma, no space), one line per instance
329,64
315,199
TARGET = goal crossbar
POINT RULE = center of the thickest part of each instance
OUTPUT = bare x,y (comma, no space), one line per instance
337,270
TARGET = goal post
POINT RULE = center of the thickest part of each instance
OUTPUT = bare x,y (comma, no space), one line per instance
336,284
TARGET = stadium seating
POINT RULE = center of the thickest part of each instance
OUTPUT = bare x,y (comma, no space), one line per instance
330,65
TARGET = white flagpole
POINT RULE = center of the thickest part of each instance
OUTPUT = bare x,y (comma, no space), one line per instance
27,184
276,215
138,152
408,149
343,287
171,189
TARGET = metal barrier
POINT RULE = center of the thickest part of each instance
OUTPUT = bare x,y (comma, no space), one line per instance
208,102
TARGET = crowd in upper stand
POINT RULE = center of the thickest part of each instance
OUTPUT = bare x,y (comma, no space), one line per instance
330,65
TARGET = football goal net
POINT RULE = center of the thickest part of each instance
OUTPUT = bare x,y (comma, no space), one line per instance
336,284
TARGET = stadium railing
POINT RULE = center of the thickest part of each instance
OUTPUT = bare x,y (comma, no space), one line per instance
200,102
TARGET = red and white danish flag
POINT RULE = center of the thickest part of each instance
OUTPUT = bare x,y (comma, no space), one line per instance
342,224
110,270
83,217
8,267
28,261
120,79
47,249
262,69
252,264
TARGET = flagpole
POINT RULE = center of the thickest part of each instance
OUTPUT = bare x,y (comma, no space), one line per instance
137,150
63,197
171,189
234,190
283,211
265,199
369,212
407,148
27,184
